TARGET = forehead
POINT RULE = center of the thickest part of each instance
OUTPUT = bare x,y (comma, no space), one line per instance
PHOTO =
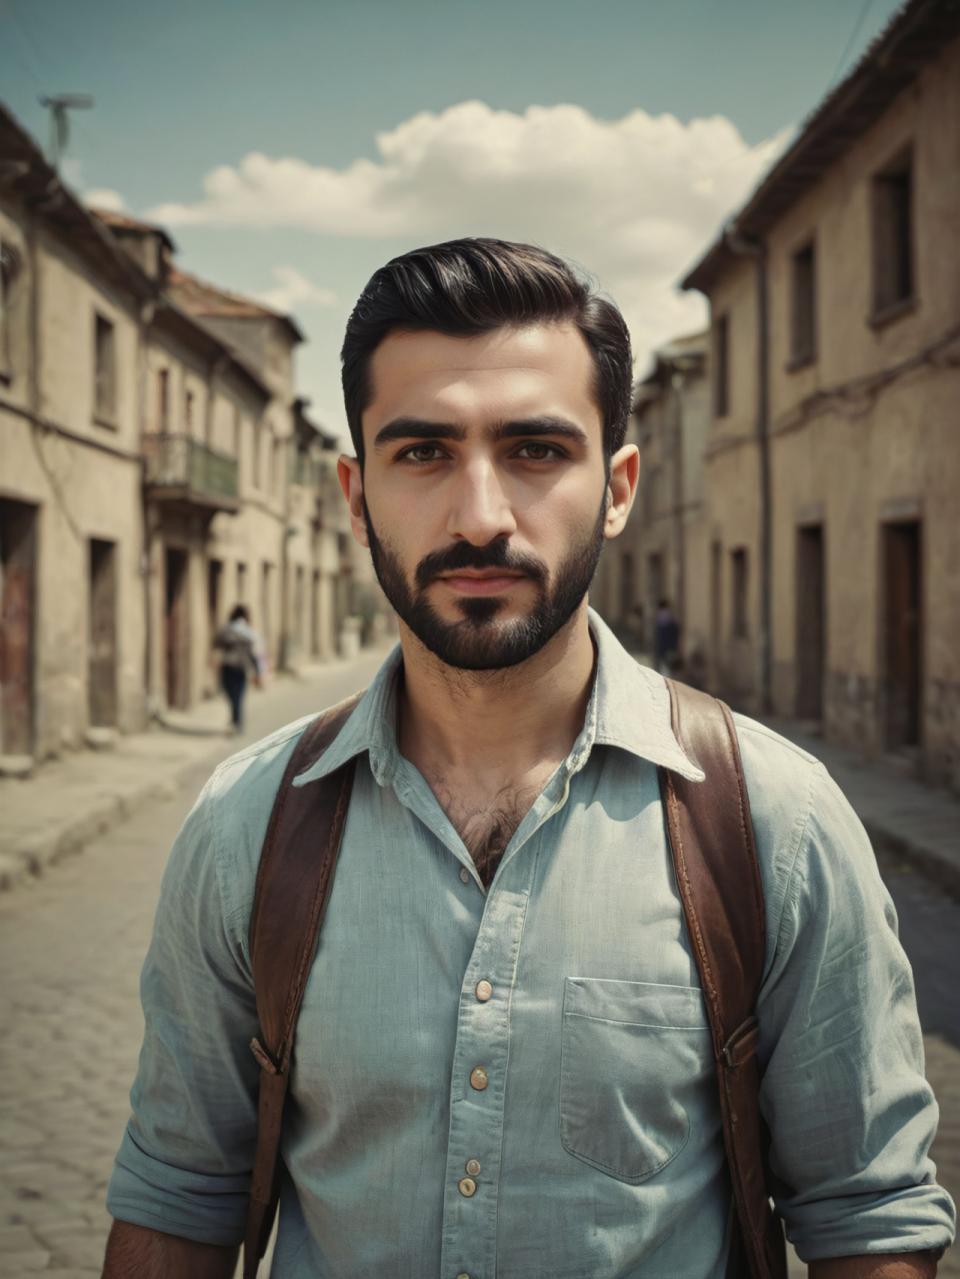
508,373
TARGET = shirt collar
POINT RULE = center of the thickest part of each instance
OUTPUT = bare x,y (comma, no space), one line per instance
629,707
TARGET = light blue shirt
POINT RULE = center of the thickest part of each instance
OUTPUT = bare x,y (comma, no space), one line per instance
595,1145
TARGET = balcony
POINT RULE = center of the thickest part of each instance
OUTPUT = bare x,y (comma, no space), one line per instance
181,470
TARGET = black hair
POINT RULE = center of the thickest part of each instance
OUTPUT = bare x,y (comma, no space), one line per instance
238,611
473,286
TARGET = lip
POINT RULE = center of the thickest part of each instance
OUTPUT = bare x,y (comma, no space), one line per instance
481,583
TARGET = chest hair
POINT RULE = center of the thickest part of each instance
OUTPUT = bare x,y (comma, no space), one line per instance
485,820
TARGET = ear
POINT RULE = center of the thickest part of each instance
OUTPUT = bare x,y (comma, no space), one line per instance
351,481
621,489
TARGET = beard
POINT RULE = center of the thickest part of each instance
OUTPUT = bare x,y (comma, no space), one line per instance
482,640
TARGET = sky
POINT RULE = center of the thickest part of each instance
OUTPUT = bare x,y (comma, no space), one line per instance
292,147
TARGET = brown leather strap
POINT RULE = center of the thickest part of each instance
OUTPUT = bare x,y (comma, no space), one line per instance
293,886
711,840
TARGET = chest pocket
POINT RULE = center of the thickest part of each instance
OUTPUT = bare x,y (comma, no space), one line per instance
635,1063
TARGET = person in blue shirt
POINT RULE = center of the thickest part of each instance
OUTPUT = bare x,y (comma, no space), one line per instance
503,1067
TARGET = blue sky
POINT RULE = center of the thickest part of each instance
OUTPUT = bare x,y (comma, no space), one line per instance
619,132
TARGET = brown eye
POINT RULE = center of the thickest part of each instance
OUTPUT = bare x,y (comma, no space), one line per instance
420,453
537,452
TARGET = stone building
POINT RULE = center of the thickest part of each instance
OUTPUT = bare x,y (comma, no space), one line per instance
73,312
155,468
658,554
832,467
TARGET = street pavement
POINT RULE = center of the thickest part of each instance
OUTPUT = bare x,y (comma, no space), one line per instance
71,947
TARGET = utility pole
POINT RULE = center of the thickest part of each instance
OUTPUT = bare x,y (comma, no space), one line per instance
58,105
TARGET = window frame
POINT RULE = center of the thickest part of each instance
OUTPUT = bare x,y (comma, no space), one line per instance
803,305
893,226
104,370
721,365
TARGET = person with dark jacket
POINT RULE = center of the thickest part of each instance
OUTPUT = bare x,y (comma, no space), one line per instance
239,648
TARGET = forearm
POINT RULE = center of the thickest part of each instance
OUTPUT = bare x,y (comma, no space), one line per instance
134,1252
890,1265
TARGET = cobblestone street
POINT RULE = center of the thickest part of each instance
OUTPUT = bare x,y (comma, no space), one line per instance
72,946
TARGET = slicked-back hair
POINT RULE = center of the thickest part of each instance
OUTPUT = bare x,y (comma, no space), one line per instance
467,287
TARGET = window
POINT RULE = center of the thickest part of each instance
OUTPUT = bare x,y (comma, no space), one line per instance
9,261
721,366
237,430
258,455
241,582
716,586
803,328
188,412
163,400
105,374
893,235
278,476
739,570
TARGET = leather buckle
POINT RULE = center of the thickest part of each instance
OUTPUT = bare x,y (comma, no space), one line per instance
742,1044
267,1063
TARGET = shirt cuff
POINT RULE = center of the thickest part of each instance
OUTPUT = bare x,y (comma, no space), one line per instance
915,1219
203,1207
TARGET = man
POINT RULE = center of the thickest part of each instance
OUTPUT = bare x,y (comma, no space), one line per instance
502,1065
238,645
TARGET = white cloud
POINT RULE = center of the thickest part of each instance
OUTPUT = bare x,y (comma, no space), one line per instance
104,198
635,200
292,290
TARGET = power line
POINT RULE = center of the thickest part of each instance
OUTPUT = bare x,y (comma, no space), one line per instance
864,10
28,54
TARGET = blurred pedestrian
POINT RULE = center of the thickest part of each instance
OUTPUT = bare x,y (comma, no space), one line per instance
239,648
666,638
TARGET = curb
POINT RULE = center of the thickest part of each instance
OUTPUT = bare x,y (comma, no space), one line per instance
928,862
29,860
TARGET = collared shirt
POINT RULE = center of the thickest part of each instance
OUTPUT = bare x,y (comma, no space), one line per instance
518,1082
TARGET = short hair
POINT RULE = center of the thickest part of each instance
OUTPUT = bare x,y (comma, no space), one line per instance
238,611
467,287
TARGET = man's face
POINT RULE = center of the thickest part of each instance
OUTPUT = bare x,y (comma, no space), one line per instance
483,496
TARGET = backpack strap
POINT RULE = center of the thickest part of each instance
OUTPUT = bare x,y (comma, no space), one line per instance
711,840
293,886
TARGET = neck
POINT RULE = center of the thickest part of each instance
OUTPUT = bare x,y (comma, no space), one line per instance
496,721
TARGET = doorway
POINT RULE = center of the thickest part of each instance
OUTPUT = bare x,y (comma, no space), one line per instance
18,571
214,592
176,628
811,621
902,625
102,635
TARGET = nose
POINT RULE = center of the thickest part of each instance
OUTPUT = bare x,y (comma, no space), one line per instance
480,509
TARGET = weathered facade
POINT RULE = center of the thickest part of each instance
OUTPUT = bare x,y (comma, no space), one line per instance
72,630
657,554
155,468
832,467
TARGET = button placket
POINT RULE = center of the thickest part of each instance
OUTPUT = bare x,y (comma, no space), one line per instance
478,1079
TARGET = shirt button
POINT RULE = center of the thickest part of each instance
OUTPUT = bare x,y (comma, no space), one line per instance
473,1167
484,991
465,876
478,1078
468,1187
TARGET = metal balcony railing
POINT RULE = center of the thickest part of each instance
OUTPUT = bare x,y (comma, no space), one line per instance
180,467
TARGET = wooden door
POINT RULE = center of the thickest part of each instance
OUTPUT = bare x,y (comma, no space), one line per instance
18,554
902,633
175,628
811,622
102,635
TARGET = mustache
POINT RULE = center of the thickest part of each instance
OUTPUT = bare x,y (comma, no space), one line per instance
495,554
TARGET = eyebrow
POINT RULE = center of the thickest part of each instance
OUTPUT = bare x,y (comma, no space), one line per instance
414,428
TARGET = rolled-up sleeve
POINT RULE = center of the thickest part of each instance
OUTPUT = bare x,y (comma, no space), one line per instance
850,1113
183,1166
